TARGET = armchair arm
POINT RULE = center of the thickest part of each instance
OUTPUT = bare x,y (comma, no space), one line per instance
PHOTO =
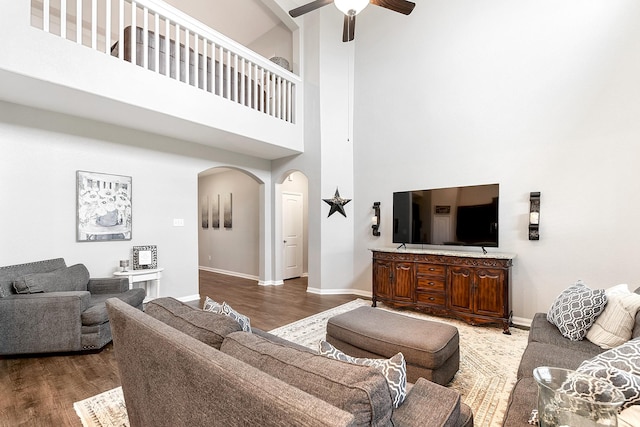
108,285
42,323
428,405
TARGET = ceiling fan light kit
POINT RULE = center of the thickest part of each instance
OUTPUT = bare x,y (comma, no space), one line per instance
351,8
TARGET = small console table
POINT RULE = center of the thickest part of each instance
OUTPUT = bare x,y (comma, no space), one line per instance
147,277
471,286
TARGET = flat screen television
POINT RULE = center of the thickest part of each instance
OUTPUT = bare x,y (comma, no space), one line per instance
461,216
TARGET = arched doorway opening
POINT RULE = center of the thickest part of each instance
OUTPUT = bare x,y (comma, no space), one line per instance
229,212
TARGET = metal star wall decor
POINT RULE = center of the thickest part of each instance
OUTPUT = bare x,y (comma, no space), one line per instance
337,204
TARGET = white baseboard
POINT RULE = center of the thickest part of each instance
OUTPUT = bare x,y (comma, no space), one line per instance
521,321
230,273
271,283
189,298
358,292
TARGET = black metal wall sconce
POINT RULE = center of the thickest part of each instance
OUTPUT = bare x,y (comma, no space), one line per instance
376,219
534,216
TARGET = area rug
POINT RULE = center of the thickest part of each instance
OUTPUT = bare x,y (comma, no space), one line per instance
488,366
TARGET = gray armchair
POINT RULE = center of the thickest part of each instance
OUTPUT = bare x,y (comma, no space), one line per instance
47,307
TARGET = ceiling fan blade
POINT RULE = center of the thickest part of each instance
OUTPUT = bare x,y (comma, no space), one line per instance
349,28
401,6
308,7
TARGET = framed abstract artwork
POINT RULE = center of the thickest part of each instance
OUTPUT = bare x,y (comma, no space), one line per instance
103,207
228,211
215,211
204,206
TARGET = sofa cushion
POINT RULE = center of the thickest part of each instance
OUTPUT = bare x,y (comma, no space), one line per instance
73,278
96,313
620,366
393,369
575,310
360,390
210,328
543,354
615,325
22,287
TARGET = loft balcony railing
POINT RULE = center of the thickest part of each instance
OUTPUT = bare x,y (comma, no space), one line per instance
170,43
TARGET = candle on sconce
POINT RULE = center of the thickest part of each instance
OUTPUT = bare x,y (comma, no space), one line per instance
534,218
374,220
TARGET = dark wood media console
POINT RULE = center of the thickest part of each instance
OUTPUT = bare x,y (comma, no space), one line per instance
472,287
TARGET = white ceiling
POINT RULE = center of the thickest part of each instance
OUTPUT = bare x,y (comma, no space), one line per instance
241,20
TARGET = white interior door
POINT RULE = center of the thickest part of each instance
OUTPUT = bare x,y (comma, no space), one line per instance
441,229
292,232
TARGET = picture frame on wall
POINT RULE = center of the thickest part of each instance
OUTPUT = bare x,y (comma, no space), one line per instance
215,211
103,207
228,211
145,257
204,206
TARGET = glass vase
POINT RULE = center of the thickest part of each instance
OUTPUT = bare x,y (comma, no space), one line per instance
570,398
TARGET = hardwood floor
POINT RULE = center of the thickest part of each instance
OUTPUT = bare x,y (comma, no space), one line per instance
40,391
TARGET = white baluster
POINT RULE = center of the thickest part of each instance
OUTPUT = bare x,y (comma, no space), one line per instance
94,24
156,42
45,15
145,37
196,60
228,74
79,21
107,28
220,71
242,82
187,57
121,30
177,58
63,19
167,47
134,32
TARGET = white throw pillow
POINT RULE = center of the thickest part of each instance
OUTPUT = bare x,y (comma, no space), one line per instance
615,325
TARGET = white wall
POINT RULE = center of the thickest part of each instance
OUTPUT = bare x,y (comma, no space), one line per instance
40,153
534,95
232,250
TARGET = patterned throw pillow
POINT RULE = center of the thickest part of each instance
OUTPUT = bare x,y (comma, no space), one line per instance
394,369
575,310
211,305
615,325
621,366
224,308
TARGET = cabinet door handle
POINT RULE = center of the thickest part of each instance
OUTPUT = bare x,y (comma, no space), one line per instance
432,269
432,299
431,284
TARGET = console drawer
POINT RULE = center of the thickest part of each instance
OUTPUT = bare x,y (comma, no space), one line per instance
430,283
430,298
430,269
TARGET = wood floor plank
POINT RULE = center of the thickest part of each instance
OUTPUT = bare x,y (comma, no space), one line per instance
40,390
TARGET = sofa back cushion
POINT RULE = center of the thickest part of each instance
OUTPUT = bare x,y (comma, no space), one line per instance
205,326
11,273
73,278
360,390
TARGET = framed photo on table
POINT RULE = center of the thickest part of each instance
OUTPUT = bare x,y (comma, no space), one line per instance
145,257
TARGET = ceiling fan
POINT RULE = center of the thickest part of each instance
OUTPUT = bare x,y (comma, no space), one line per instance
351,8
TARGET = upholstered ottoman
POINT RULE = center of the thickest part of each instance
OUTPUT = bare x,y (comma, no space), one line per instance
431,349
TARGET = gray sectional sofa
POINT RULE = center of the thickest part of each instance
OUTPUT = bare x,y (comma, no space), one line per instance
180,365
47,307
546,347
